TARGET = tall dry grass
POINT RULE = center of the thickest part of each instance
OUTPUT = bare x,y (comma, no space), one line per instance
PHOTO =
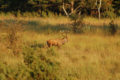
101,22
84,57
60,19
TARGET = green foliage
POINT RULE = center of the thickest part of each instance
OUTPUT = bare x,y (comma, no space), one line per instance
54,7
37,65
108,10
42,66
74,17
14,41
18,73
77,23
112,28
109,14
116,5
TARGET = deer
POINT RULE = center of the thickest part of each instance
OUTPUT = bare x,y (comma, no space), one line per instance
57,42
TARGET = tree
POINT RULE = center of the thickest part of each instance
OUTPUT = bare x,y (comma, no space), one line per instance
116,5
70,7
105,8
99,8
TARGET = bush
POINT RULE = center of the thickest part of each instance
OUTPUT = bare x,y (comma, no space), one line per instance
13,37
20,72
37,65
112,28
3,71
77,23
41,65
109,14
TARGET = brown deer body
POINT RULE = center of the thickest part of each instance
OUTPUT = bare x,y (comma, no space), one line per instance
57,42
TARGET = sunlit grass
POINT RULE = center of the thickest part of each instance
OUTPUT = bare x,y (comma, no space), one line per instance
101,22
84,57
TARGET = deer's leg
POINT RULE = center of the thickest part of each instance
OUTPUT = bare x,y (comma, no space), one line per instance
50,45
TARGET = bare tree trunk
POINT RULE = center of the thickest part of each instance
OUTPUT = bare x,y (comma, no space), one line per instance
99,8
72,7
96,2
65,10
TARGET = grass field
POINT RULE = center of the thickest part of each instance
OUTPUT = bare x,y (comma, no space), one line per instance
85,56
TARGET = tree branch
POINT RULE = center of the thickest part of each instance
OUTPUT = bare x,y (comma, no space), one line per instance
65,10
99,8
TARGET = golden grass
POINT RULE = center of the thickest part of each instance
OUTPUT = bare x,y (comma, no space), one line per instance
50,20
84,57
101,22
62,20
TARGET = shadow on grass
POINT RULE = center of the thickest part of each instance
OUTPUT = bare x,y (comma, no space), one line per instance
40,27
37,26
47,28
105,29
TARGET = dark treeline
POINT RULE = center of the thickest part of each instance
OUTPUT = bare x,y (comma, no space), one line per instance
108,8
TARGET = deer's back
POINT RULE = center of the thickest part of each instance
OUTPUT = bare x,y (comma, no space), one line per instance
55,42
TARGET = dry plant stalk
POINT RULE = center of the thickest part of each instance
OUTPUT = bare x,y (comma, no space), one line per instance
14,41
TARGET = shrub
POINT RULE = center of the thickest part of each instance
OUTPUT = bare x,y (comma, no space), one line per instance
109,14
41,65
36,66
20,72
77,23
14,37
112,28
